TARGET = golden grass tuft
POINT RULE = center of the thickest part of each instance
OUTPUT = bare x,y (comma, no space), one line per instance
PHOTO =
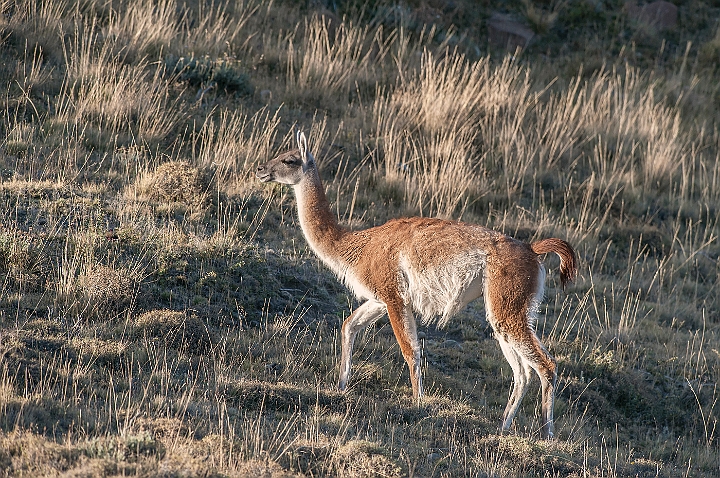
334,61
175,182
122,102
173,329
107,285
233,144
364,459
427,134
41,23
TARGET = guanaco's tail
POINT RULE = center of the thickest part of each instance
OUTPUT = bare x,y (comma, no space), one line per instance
568,259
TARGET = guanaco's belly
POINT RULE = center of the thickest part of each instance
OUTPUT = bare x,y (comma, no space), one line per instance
439,291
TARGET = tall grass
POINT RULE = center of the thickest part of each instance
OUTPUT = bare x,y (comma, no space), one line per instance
426,134
493,133
40,23
100,90
335,60
150,30
234,143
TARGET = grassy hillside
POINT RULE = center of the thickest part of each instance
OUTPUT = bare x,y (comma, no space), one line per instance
161,314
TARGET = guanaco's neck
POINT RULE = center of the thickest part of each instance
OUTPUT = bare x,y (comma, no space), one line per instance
318,223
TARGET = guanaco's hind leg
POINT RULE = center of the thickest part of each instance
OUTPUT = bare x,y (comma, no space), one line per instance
526,357
363,316
537,357
510,295
522,374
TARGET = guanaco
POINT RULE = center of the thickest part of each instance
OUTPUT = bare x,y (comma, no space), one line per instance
433,268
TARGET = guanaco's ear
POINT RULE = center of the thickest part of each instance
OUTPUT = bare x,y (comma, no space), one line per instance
307,158
302,145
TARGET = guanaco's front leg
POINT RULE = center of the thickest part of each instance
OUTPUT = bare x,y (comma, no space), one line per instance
405,329
363,316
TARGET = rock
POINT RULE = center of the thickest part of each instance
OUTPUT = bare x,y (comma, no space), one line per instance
426,15
507,33
421,335
658,14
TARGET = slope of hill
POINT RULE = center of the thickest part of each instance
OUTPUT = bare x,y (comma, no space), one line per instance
161,314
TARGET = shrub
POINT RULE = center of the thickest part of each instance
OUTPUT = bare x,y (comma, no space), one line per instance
173,329
203,72
176,181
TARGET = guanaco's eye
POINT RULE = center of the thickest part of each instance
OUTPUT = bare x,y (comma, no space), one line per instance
291,160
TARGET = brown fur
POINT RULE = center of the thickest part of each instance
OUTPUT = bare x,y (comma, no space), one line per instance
568,260
450,264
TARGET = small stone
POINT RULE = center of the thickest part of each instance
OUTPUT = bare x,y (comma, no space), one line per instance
421,335
659,14
507,33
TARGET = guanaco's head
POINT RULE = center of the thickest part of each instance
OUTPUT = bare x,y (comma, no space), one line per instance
289,167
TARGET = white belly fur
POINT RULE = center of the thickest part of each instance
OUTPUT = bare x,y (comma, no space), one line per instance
439,292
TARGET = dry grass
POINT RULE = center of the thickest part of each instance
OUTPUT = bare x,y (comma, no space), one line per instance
233,144
334,63
175,181
426,134
118,103
160,313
